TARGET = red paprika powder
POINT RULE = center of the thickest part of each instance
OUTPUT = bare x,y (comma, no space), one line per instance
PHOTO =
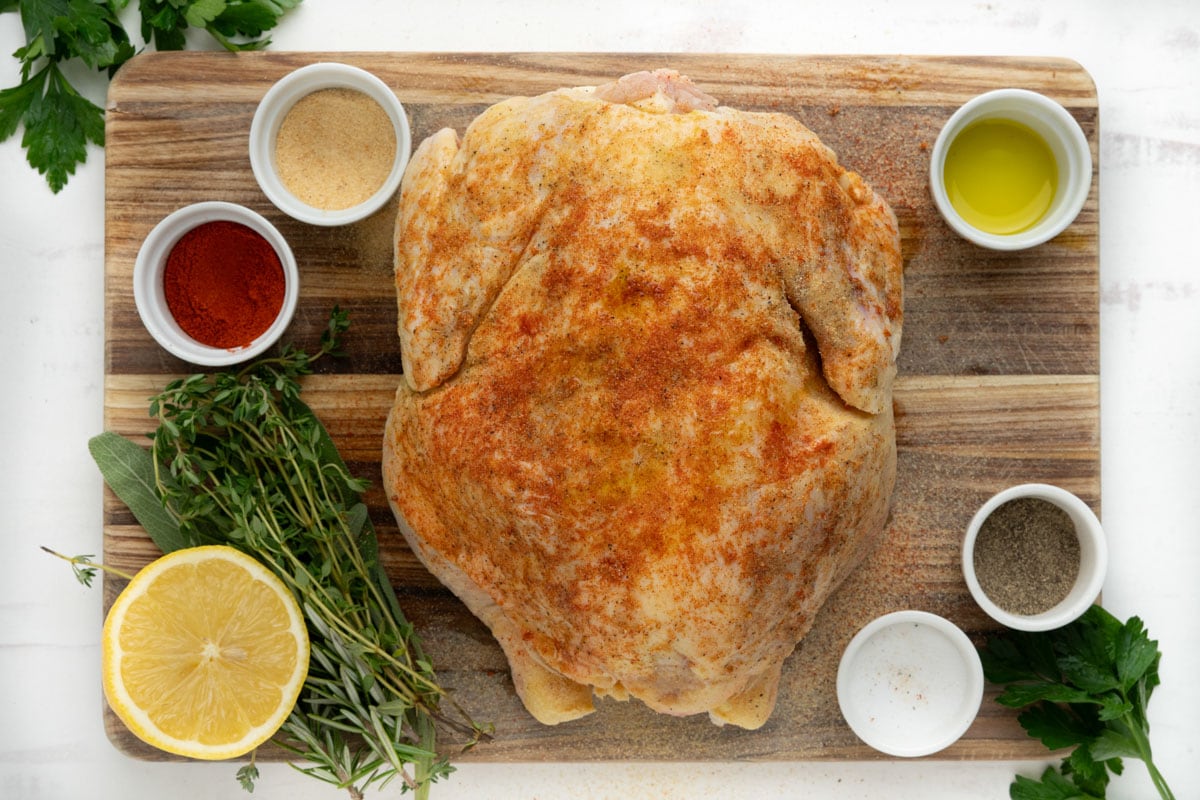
223,283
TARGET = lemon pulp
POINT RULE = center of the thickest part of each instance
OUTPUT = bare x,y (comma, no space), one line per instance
1000,176
204,653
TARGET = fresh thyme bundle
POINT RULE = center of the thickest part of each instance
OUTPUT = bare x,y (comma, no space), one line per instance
239,459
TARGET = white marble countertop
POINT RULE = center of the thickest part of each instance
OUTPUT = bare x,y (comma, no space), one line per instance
1145,59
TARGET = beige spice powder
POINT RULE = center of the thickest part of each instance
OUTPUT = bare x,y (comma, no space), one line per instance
335,148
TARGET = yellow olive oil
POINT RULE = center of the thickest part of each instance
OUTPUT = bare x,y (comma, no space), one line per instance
1000,176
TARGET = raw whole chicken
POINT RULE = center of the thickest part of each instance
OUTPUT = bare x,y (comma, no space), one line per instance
645,425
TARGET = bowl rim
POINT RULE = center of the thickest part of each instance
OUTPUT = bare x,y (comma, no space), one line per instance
954,727
150,300
1051,114
278,101
1092,571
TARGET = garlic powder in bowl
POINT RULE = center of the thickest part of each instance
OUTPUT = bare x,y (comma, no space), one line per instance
329,143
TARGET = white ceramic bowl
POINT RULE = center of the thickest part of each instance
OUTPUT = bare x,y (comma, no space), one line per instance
272,110
1060,131
1093,559
150,297
910,683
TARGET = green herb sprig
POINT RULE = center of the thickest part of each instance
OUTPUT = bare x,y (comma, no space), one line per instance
237,458
59,122
1085,686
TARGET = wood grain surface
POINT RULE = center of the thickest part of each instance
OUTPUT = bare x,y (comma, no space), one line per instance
999,370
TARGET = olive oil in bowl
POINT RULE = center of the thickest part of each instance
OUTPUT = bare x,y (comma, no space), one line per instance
1000,176
1010,169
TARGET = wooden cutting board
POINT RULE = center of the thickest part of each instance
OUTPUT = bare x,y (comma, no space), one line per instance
999,370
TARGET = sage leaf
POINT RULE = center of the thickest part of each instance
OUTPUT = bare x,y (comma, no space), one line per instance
357,519
128,469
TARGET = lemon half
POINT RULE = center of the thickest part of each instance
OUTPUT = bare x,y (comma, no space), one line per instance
204,653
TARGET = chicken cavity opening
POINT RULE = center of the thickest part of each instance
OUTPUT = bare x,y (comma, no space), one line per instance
676,94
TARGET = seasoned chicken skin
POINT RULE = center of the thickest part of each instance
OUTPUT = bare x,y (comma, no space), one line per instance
645,426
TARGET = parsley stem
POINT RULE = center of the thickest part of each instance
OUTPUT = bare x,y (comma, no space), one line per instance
1142,742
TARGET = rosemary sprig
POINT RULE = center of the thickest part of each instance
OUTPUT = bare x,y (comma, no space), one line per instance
239,459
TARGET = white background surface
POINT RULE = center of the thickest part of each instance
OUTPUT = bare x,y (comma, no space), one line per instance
1145,59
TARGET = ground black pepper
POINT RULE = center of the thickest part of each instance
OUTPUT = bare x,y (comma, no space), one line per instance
1027,555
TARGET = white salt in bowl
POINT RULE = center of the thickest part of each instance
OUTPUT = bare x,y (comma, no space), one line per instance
910,683
1093,559
274,108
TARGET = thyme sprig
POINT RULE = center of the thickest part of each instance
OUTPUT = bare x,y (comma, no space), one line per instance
85,569
239,459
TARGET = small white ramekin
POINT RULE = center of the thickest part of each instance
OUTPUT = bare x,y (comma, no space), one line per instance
910,683
1093,559
272,110
1066,140
150,296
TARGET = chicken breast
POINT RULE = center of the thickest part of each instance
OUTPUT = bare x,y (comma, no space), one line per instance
645,427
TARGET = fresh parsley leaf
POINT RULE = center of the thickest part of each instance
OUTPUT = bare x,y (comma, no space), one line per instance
1093,676
1085,686
1020,657
1114,744
38,20
251,18
1052,786
163,24
59,123
1136,653
202,12
15,103
1058,726
1089,774
245,19
1023,694
242,23
92,32
89,30
236,24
